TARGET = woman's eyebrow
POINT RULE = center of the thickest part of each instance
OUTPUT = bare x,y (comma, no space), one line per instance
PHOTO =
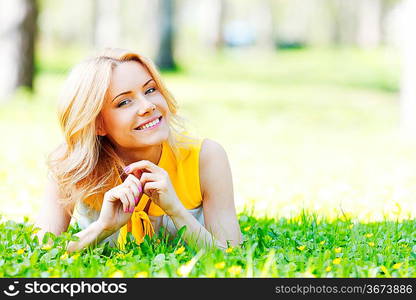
128,92
123,93
147,82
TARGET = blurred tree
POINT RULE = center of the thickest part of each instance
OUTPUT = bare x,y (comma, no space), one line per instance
344,16
265,23
408,77
221,7
369,23
107,25
293,22
164,58
18,19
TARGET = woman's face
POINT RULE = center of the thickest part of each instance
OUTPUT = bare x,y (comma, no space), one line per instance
134,113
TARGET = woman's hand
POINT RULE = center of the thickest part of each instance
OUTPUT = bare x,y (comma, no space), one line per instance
119,203
156,184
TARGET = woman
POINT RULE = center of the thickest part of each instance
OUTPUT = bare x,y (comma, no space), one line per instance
126,164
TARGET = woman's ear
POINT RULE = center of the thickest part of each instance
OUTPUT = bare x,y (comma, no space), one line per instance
99,125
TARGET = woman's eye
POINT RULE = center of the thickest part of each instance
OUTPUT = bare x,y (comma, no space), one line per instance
125,101
148,91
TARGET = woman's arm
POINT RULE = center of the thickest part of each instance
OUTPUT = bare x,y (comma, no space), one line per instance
218,202
91,235
218,194
55,218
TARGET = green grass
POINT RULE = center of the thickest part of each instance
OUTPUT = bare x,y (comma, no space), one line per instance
306,246
314,145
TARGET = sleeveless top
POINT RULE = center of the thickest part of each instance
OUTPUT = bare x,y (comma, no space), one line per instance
184,175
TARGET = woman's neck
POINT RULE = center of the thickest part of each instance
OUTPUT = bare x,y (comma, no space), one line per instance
151,153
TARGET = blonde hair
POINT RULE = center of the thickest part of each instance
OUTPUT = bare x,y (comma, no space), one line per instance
86,164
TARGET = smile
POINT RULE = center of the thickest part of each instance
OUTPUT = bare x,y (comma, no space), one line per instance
150,125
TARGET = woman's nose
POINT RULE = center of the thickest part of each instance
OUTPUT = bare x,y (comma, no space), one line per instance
145,107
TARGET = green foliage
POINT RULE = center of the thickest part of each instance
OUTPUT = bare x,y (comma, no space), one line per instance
304,246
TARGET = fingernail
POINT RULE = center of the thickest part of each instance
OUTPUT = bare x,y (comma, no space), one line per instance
140,189
132,209
127,169
136,200
126,211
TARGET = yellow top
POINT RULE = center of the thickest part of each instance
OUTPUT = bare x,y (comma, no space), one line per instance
184,175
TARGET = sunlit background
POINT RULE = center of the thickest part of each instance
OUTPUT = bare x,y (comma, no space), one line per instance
314,101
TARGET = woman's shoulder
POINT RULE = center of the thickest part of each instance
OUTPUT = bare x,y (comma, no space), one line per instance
213,161
212,158
205,148
211,152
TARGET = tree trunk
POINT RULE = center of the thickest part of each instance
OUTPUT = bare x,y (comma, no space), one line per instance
369,23
17,32
219,42
164,59
344,15
408,76
265,24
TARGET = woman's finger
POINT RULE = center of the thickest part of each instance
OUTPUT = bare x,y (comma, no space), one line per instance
119,195
135,192
148,177
151,187
135,184
130,197
141,165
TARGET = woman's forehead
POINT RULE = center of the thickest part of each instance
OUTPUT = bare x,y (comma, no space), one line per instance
127,76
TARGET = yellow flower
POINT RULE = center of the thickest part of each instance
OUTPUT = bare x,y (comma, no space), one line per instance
351,226
322,242
371,244
143,274
36,230
20,251
229,250
180,250
117,274
64,256
328,269
220,265
397,266
337,261
247,228
234,270
338,250
368,235
47,247
75,256
384,269
404,245
301,248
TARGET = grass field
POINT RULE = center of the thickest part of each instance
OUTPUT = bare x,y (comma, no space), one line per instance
307,246
324,183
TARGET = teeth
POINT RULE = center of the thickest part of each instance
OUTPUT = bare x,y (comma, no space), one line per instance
153,123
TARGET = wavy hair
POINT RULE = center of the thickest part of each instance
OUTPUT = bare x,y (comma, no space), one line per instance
86,164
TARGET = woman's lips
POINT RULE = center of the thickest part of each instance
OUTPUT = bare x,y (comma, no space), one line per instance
150,125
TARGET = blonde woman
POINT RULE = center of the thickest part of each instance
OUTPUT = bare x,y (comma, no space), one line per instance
126,164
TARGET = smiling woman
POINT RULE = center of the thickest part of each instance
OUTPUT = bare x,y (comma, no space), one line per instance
126,164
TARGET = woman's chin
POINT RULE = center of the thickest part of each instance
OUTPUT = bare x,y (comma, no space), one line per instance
153,139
